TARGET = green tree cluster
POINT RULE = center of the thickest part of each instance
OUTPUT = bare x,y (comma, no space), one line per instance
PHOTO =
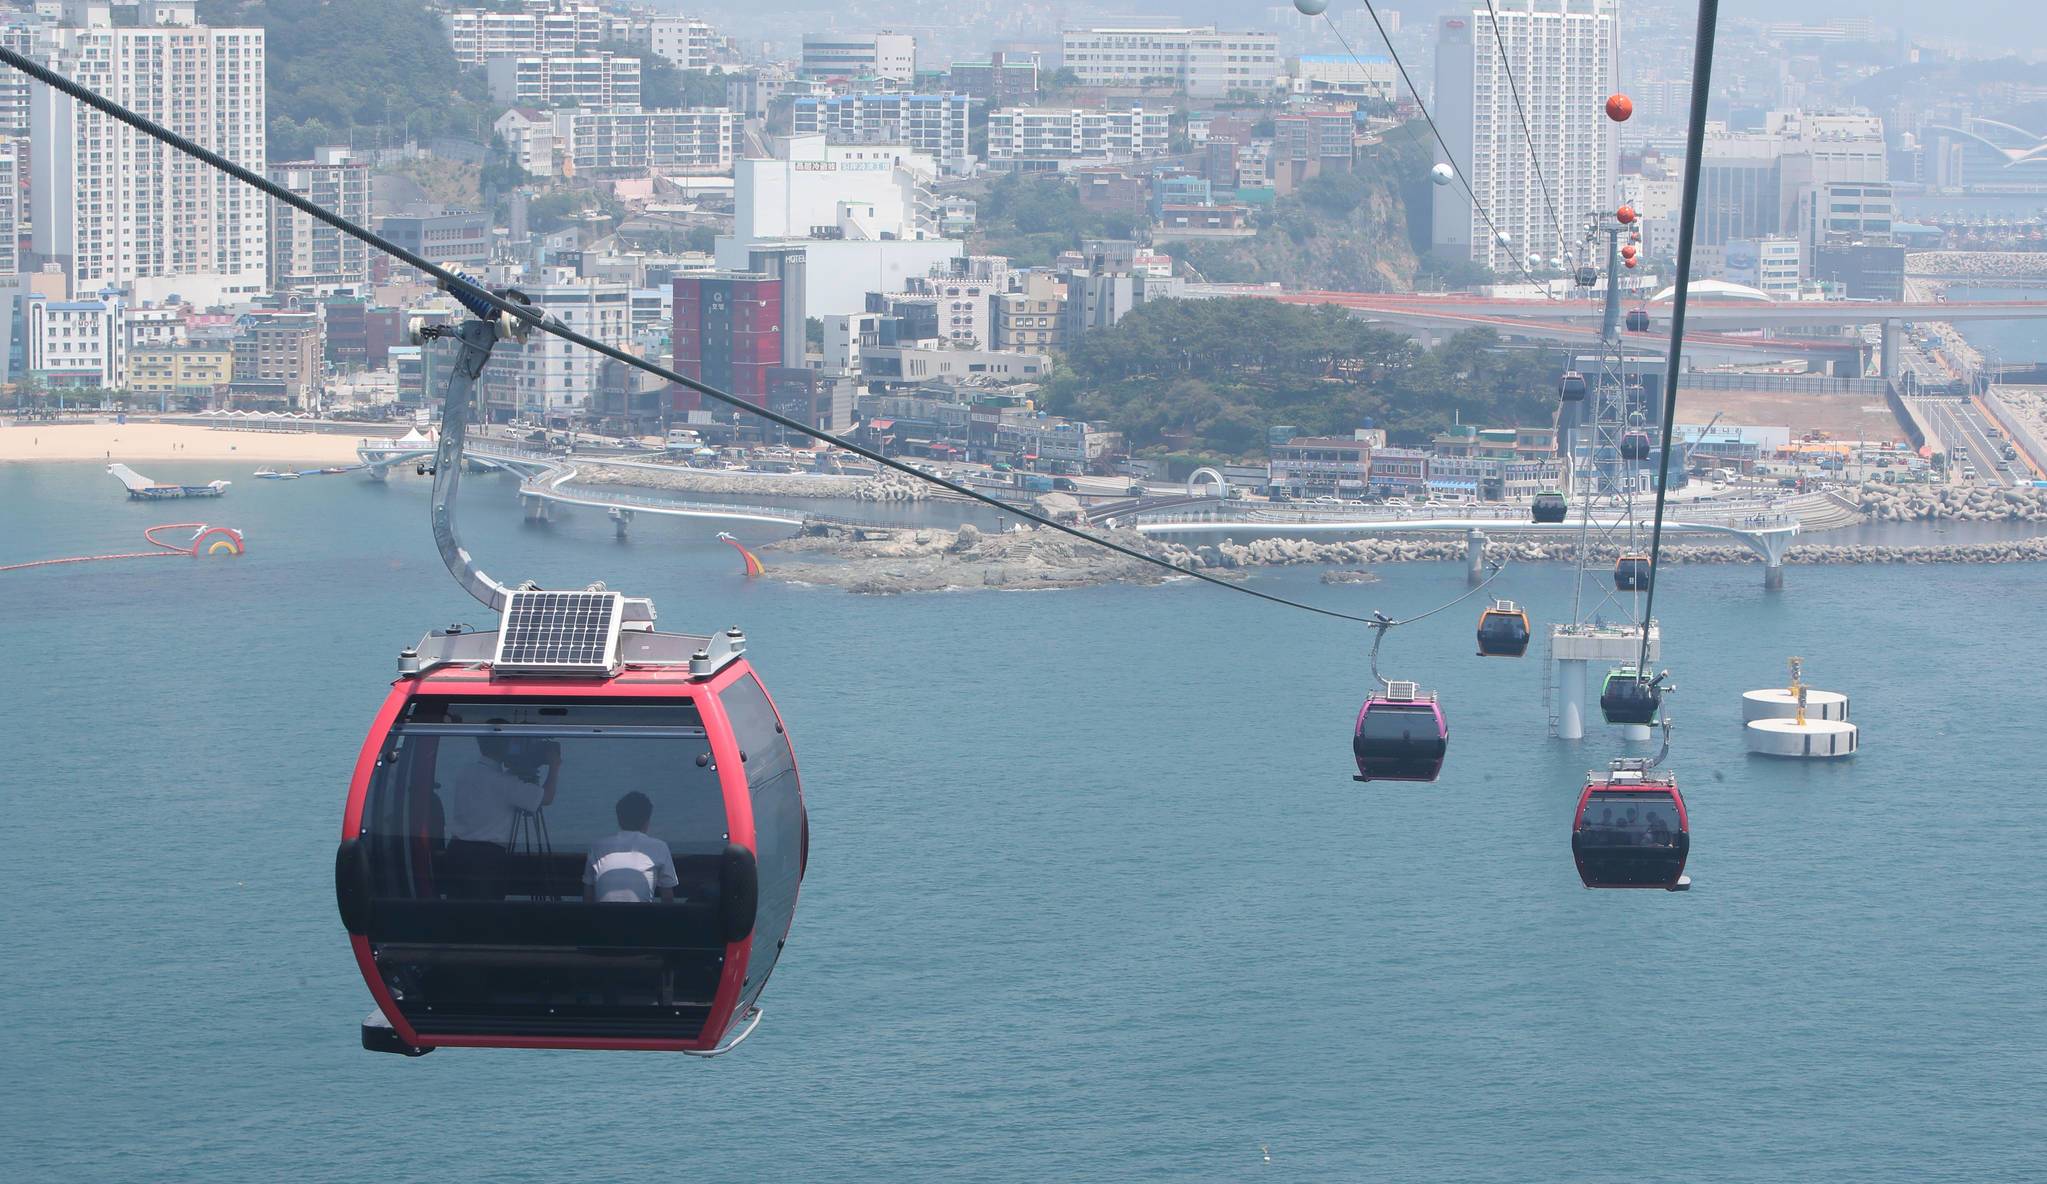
356,71
1219,372
559,208
1032,219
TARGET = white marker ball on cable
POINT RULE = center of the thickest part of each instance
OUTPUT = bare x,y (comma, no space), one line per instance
1442,174
1311,7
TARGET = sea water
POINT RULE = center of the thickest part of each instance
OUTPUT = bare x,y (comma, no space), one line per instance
1092,895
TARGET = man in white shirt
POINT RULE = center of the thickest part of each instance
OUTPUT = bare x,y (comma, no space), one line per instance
632,865
488,796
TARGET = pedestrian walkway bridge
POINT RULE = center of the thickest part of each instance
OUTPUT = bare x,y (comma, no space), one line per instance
546,479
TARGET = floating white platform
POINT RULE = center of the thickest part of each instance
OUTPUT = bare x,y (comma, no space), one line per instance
1813,739
1779,703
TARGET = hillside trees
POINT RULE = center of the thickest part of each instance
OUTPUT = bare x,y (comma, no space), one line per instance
1223,371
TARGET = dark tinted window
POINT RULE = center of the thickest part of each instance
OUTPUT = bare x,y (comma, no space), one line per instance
477,919
1630,819
777,823
1402,723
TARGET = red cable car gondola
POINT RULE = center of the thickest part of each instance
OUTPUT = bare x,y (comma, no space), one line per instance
574,832
480,818
1631,830
1401,735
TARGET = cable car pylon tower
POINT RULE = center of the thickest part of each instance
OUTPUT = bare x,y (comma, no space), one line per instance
1603,441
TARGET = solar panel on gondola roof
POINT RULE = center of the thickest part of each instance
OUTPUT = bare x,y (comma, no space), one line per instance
559,633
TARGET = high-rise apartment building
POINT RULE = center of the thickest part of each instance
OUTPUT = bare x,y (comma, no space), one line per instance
545,376
933,124
1018,135
1775,181
603,79
306,253
19,32
1564,55
728,333
859,55
10,206
1200,61
548,27
629,142
114,208
999,80
685,42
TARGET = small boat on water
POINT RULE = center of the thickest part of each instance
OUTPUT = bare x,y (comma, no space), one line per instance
142,489
268,474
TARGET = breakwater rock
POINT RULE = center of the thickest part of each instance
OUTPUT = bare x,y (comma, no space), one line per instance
1281,552
887,487
1959,503
888,561
1976,264
884,562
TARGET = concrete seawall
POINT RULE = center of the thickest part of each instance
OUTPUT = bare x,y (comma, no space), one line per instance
1287,552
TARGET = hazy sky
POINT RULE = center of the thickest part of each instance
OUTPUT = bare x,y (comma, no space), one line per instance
2013,24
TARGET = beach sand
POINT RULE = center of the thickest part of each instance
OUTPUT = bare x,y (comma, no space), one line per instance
240,451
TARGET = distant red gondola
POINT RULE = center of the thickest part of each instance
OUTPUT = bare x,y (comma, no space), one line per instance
1631,829
1400,735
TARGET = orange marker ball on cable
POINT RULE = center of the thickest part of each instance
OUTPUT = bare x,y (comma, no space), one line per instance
1619,107
1624,215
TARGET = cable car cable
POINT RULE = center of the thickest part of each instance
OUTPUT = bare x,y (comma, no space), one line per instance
1527,136
1688,217
1448,156
1380,623
488,305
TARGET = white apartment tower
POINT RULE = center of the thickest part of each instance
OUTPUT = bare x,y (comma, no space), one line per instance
939,125
306,253
10,206
117,209
1200,61
1565,56
19,32
1077,133
545,375
602,79
684,41
561,28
